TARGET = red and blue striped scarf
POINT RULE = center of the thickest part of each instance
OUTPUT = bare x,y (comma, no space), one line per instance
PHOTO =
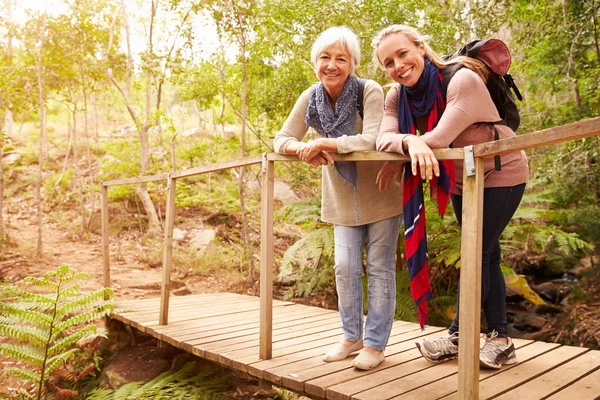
426,99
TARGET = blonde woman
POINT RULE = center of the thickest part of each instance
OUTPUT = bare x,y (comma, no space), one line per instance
459,115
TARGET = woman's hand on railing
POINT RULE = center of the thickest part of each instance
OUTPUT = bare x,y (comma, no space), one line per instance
312,153
422,158
388,171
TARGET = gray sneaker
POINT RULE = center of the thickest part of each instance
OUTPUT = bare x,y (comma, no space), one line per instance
495,353
441,349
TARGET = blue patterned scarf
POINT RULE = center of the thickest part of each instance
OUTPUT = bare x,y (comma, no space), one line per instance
321,117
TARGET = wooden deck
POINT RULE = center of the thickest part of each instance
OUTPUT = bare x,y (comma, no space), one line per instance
224,328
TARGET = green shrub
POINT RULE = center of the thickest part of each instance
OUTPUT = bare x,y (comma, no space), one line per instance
183,384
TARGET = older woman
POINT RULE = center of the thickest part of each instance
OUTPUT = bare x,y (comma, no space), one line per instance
461,114
351,199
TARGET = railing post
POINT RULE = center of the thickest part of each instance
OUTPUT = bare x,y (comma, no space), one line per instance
470,277
266,259
163,318
105,242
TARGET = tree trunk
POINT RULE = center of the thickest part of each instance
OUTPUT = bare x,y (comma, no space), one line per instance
245,230
142,191
8,118
576,95
595,23
42,147
2,232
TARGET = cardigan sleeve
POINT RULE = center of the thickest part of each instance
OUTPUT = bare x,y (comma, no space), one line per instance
294,127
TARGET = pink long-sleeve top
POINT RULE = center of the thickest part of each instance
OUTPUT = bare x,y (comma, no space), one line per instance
468,107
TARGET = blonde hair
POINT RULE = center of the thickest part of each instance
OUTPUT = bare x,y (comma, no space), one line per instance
412,34
337,34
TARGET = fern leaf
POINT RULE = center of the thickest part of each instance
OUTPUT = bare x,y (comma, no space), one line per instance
71,340
89,300
125,391
76,276
83,318
29,376
24,333
41,299
30,316
23,352
42,283
58,360
100,394
69,292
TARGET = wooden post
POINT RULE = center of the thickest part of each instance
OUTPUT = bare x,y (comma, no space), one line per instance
105,242
470,278
266,260
163,318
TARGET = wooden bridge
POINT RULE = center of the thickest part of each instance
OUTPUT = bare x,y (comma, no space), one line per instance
224,328
283,342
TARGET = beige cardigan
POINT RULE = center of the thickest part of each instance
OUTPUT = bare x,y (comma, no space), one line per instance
340,203
468,104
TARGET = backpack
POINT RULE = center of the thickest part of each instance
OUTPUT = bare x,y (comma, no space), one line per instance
495,55
360,106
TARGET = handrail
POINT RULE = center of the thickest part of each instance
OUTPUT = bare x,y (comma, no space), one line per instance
471,232
546,137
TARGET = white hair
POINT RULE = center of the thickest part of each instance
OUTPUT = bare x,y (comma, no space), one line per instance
338,34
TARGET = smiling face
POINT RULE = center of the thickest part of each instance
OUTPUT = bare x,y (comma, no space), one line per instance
333,66
401,58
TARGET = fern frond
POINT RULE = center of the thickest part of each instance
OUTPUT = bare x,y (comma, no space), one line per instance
34,298
30,316
23,352
69,292
30,334
82,318
76,276
89,300
301,211
71,340
29,376
100,394
58,360
41,283
125,391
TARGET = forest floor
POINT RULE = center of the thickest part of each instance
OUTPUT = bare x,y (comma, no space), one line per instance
130,277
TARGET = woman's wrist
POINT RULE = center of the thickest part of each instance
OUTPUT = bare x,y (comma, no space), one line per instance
405,141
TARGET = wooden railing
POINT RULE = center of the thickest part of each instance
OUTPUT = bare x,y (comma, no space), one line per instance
472,215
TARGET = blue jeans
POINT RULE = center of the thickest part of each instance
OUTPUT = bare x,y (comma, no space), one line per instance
499,205
381,238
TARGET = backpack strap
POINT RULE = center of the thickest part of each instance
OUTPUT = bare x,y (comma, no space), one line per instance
447,74
360,100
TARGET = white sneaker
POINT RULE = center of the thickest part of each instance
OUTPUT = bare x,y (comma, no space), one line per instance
441,349
367,361
495,353
340,352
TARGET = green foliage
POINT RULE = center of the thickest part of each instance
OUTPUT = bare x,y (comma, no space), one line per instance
186,383
58,187
42,321
308,263
301,212
406,310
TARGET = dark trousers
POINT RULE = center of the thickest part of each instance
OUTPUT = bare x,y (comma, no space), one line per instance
499,205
